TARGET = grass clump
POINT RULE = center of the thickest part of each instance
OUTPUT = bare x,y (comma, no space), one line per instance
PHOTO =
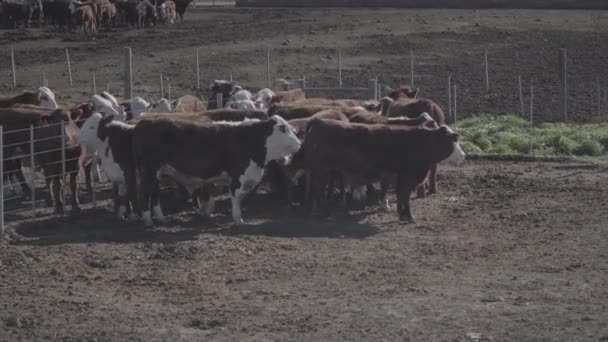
513,135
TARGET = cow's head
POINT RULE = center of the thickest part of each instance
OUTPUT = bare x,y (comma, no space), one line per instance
446,145
89,133
54,117
402,92
47,98
282,140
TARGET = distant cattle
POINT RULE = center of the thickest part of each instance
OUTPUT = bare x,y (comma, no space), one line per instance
195,154
365,153
167,12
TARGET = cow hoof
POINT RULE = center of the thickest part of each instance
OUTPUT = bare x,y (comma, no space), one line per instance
407,220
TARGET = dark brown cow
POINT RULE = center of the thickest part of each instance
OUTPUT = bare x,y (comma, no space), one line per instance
235,114
23,98
367,152
402,92
196,154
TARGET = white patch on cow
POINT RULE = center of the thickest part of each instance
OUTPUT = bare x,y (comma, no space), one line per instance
359,193
458,156
377,186
426,116
241,95
115,105
122,189
359,108
246,122
104,106
236,208
241,104
282,141
263,97
88,136
249,179
158,214
47,98
163,105
387,205
138,106
147,218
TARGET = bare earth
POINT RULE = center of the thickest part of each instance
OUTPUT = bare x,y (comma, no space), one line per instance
505,251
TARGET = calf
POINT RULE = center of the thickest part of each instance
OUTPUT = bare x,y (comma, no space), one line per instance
195,154
366,152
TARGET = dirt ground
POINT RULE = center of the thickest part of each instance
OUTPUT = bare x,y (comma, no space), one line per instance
374,43
505,252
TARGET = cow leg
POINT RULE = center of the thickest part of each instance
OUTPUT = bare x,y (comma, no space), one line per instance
74,191
433,179
206,202
155,203
86,169
404,190
237,196
21,180
421,190
133,209
147,183
57,194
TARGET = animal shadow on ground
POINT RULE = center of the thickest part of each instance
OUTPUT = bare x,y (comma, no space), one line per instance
98,225
266,218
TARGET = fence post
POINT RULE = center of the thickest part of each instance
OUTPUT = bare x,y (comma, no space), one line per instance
13,67
67,57
63,150
33,167
450,97
372,88
44,82
94,85
168,89
198,71
521,97
487,71
531,117
455,104
94,167
128,74
599,98
1,180
162,86
339,68
563,83
231,77
268,67
219,98
412,67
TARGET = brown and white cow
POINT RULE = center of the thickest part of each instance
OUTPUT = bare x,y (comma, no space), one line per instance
112,140
195,154
367,152
288,96
44,97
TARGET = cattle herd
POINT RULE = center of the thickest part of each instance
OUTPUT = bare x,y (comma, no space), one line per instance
316,153
90,15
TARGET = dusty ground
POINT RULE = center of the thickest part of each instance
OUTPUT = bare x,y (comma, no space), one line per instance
505,252
304,42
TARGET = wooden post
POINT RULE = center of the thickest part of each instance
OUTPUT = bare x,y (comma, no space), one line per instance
44,82
521,97
599,97
219,101
168,89
33,174
230,76
268,67
455,104
301,84
450,97
339,68
531,117
198,71
412,67
563,77
487,71
94,85
372,89
67,57
162,86
13,68
128,74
